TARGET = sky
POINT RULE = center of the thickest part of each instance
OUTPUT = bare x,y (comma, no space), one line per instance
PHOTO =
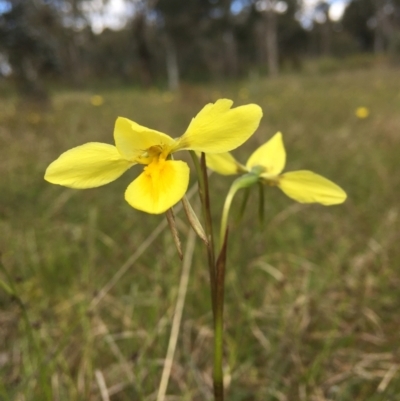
337,10
117,12
4,7
113,15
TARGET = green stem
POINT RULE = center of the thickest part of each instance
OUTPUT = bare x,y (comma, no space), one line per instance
225,213
208,217
205,203
244,181
217,270
218,378
216,277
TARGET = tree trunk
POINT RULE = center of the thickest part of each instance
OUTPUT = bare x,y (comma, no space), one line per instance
326,36
145,58
384,28
172,64
379,42
231,60
272,42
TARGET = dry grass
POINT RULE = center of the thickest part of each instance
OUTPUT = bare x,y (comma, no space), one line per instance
311,296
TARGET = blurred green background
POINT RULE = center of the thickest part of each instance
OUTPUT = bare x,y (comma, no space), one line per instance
311,294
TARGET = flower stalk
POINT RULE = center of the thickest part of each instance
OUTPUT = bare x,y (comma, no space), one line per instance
218,377
244,181
217,276
201,170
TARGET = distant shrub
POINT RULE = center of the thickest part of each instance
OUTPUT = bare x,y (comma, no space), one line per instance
327,65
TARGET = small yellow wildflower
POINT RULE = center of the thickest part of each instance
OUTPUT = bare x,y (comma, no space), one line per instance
268,161
362,112
216,128
97,100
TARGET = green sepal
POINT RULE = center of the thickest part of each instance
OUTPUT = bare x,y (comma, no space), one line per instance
245,181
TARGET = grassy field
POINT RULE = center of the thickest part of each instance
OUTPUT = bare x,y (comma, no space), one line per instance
312,295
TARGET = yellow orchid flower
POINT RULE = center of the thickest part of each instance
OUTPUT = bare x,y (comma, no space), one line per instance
216,128
268,161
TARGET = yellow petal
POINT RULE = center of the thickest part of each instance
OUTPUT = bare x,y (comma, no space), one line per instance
218,128
159,187
308,187
132,139
224,163
271,156
87,166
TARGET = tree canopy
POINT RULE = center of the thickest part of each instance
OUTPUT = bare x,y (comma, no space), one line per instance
175,39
